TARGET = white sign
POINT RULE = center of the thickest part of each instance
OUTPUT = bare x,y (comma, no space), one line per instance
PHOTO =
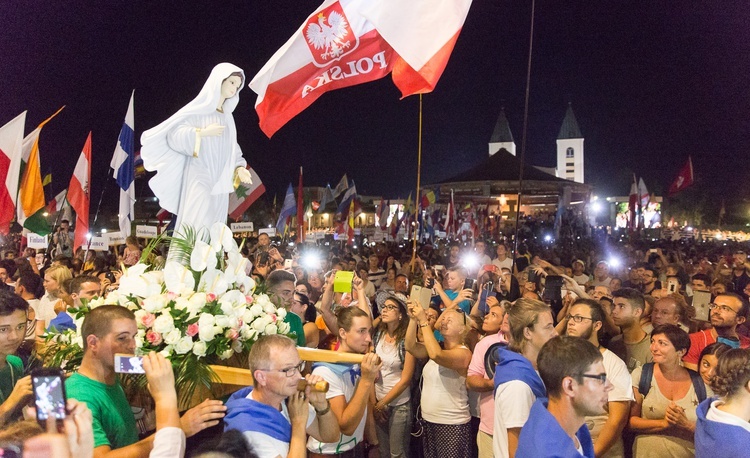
99,244
37,241
242,227
377,236
116,238
148,232
271,231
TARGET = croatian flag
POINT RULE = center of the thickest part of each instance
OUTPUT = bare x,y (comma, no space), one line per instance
123,163
349,42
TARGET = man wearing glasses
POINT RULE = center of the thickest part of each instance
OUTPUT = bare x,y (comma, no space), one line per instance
585,319
577,387
273,415
727,312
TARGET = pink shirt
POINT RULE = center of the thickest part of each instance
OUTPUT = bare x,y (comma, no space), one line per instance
476,367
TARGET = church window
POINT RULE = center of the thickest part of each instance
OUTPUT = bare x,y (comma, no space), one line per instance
569,153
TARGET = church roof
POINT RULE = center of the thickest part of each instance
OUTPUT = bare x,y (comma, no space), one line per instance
569,128
502,166
502,133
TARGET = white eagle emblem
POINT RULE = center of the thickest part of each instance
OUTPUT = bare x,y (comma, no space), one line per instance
332,39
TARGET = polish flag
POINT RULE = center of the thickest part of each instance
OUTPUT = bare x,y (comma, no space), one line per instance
79,194
349,42
11,156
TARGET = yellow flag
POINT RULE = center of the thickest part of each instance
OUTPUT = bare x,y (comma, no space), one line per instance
47,179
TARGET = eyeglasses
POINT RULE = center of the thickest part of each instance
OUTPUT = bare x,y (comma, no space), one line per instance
390,307
724,308
289,371
578,318
601,377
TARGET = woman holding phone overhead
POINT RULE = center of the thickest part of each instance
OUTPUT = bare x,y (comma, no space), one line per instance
445,401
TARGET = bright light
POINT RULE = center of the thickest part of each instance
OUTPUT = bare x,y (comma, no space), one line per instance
291,243
104,231
354,246
689,229
614,262
470,260
547,238
593,198
45,214
310,260
718,236
596,207
270,226
88,236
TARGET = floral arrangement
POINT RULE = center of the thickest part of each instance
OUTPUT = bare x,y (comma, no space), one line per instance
201,308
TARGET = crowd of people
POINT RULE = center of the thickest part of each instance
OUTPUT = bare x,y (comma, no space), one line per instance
583,347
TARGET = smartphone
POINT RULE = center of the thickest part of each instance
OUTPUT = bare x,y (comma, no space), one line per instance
129,364
421,296
287,264
49,395
552,288
487,292
471,284
701,299
532,276
430,283
672,286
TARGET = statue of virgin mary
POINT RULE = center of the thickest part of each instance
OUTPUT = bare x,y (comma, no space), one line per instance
195,153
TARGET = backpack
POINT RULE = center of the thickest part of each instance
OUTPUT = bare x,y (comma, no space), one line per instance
644,384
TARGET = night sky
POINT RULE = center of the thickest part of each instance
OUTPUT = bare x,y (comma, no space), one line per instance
651,82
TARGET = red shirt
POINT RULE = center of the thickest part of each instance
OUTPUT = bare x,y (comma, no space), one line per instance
702,339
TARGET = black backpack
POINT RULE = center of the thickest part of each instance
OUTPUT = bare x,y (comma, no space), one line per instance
644,384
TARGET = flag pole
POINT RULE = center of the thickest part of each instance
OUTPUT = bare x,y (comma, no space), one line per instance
523,138
96,216
48,253
417,201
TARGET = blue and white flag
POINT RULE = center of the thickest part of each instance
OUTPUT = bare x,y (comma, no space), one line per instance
288,209
327,198
123,163
349,195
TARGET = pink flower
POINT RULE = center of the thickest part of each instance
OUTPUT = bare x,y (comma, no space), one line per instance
148,320
171,296
192,329
249,299
153,337
273,317
210,297
232,334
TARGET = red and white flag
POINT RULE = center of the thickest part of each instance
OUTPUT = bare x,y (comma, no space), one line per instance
643,194
11,155
244,196
79,194
348,42
683,179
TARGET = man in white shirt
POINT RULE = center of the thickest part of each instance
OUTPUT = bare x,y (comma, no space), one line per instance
273,415
502,260
585,319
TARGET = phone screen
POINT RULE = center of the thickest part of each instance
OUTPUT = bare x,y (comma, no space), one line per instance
49,395
701,299
129,364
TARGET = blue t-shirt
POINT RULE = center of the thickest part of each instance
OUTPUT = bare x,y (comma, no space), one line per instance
543,437
465,305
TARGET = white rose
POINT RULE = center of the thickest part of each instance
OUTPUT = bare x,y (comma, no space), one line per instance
222,321
226,354
260,323
206,319
164,323
284,328
199,349
255,310
207,333
281,313
234,323
197,301
184,345
248,316
167,352
180,303
248,333
262,300
271,329
172,337
269,308
154,304
226,307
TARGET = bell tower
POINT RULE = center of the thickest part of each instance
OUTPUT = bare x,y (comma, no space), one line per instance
570,149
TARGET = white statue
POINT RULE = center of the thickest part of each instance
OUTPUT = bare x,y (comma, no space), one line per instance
196,155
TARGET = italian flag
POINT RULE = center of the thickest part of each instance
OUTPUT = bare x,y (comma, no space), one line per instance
348,42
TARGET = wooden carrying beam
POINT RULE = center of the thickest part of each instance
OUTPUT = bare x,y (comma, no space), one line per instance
243,377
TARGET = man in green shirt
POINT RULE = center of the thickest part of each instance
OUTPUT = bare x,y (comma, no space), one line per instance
15,389
280,288
108,330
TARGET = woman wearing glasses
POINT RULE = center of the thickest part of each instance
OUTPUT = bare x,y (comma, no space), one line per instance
663,415
392,397
445,401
